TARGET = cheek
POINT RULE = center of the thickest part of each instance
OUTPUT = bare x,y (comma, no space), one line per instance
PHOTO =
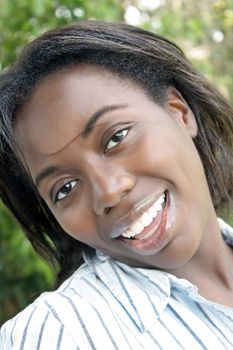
160,152
78,224
172,156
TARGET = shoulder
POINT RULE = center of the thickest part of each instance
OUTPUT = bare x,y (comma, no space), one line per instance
58,316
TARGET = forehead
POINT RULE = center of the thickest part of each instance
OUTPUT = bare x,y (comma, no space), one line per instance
62,102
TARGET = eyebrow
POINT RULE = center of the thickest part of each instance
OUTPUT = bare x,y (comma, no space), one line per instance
86,132
95,117
45,173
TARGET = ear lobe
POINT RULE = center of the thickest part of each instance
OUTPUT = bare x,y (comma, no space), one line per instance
178,108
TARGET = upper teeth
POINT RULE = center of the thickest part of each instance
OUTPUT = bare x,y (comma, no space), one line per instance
146,218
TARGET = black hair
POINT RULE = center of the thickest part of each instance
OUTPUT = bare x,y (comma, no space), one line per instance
146,58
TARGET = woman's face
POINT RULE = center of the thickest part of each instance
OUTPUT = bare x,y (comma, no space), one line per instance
119,172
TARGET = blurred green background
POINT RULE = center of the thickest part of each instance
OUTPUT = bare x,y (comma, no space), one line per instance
203,29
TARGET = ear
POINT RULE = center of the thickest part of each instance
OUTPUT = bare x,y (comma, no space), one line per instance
178,108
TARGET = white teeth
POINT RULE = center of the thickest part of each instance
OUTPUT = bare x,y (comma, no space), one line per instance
153,211
146,219
157,206
162,198
128,234
136,228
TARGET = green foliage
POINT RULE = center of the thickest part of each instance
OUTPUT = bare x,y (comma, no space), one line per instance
23,20
203,29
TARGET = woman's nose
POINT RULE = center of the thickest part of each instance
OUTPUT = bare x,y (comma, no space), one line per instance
109,185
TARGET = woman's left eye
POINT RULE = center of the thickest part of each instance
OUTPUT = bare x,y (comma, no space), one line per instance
116,139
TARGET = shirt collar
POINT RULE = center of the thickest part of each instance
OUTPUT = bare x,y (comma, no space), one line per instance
227,231
142,293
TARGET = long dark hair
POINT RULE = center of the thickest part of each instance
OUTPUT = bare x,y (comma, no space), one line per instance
153,62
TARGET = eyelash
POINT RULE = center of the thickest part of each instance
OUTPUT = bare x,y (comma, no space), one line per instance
73,183
125,132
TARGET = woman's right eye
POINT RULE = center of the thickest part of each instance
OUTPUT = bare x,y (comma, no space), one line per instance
64,191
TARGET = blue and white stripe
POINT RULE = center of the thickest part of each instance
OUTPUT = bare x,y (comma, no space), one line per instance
109,305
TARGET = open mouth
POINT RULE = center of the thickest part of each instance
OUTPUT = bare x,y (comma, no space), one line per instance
148,230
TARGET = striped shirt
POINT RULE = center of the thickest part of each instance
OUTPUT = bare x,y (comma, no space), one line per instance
109,305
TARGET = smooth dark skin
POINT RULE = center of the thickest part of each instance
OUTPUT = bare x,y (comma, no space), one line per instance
156,154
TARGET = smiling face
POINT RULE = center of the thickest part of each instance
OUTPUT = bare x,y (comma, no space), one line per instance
119,172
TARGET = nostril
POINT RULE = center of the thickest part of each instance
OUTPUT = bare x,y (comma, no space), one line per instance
107,210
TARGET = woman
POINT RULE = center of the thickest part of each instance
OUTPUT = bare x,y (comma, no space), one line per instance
115,156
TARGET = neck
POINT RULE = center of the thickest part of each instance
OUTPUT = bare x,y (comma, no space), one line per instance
211,268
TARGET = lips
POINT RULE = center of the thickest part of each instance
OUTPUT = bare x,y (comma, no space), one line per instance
152,237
